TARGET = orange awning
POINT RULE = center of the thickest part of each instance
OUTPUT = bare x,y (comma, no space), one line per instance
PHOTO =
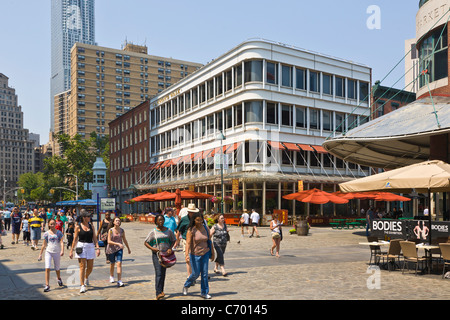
175,161
207,153
233,147
276,145
305,147
186,158
158,165
291,146
197,156
320,149
216,150
166,164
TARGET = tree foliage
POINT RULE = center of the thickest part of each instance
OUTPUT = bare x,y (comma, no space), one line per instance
78,157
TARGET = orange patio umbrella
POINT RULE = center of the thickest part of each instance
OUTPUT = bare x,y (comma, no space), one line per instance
315,196
355,195
387,196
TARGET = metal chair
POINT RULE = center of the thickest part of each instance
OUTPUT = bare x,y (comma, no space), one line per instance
394,252
445,252
375,250
410,254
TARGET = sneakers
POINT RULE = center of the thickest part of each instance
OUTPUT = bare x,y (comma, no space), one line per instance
206,296
86,282
111,279
60,283
185,291
82,289
120,283
47,289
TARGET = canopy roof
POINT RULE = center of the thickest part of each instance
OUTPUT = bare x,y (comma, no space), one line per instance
397,139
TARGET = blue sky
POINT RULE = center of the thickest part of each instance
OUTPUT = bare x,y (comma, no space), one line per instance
202,30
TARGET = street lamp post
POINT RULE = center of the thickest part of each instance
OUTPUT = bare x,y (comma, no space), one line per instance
221,137
4,191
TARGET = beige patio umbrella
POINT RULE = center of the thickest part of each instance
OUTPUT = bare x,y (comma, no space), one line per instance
424,177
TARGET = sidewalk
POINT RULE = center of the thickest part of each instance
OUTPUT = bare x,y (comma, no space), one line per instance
328,264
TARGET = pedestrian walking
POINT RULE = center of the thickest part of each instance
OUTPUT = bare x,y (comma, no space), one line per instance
170,221
43,215
245,222
254,217
86,244
7,219
69,233
54,245
181,232
198,252
2,230
369,218
275,227
220,236
105,225
36,228
25,227
114,250
16,220
59,223
160,240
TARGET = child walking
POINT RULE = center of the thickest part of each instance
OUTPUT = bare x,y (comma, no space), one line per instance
53,241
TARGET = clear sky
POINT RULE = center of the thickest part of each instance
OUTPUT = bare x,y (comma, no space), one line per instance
202,30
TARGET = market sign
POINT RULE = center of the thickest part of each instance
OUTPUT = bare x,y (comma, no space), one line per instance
107,204
410,229
235,186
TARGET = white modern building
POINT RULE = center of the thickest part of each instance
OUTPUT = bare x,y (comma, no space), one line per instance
269,107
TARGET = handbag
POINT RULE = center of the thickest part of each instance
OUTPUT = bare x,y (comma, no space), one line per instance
228,233
165,260
275,235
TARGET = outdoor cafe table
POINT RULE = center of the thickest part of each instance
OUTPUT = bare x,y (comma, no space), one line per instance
426,247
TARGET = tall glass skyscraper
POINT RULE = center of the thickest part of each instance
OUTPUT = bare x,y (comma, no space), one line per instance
72,21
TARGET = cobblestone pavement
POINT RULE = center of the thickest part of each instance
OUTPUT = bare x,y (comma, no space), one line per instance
325,265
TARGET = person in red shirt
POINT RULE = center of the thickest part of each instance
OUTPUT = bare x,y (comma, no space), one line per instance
59,224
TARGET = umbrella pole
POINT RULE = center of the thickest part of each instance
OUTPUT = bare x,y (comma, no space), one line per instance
429,212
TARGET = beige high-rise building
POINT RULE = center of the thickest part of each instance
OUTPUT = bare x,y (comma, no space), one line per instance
106,83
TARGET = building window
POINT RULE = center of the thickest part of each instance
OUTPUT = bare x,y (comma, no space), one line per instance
327,81
286,76
286,115
237,76
300,117
327,120
253,111
253,71
300,75
272,113
340,87
340,124
238,115
272,73
314,119
363,91
433,57
314,84
351,89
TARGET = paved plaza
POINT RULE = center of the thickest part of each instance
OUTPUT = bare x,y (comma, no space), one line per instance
325,265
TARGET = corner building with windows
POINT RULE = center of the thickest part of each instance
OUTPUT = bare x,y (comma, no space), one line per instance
267,107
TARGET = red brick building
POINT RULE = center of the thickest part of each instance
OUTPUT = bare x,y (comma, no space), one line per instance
129,152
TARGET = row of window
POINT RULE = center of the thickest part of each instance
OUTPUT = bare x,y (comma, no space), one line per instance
275,73
258,111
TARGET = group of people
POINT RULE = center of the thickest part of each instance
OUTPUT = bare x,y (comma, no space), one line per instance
32,223
200,243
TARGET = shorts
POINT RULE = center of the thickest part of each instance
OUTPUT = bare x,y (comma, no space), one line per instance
115,256
15,228
255,224
35,233
88,251
56,257
245,224
183,243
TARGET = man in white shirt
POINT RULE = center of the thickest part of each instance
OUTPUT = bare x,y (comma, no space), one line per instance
245,222
255,221
425,211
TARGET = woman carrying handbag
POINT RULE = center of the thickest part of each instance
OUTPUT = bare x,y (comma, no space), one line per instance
160,241
199,251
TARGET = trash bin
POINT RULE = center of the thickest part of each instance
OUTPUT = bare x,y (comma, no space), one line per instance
302,228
